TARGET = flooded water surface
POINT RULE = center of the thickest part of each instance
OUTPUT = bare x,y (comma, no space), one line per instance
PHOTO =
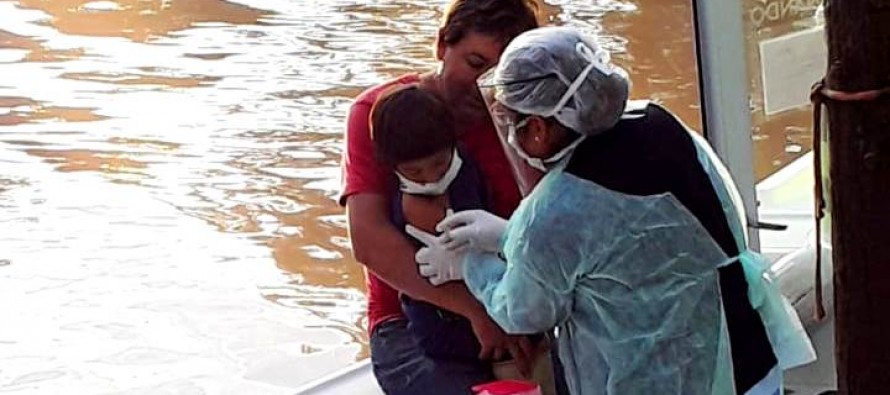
168,170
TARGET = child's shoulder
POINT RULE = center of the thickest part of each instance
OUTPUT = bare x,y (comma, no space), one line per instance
468,190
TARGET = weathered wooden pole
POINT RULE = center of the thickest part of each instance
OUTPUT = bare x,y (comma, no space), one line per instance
859,137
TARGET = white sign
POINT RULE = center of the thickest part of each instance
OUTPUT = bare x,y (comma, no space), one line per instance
790,65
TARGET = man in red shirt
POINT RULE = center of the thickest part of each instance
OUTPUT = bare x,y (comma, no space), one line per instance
469,42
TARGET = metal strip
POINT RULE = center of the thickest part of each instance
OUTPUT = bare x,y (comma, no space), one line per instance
723,83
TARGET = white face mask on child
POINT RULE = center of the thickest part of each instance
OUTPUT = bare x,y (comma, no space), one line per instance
432,188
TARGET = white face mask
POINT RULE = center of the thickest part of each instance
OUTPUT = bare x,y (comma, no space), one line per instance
598,61
538,163
432,188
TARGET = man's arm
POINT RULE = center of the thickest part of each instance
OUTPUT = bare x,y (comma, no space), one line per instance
386,252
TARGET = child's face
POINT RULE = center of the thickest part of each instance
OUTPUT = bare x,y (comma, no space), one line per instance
426,170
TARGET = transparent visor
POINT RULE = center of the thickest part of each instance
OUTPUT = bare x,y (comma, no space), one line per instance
509,125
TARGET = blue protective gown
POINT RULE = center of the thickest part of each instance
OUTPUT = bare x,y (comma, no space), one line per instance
790,343
630,282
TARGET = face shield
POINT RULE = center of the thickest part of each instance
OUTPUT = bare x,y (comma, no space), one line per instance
508,124
555,73
528,170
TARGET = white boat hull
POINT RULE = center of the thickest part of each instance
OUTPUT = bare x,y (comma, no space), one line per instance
357,379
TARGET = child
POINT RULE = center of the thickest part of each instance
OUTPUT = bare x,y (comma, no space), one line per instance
413,133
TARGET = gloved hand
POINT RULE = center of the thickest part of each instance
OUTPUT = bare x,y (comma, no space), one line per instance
477,229
437,263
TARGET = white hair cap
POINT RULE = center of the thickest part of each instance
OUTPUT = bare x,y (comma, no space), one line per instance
560,72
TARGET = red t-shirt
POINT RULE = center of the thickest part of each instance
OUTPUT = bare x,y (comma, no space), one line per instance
363,174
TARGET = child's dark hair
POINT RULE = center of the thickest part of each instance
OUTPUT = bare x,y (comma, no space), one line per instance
409,123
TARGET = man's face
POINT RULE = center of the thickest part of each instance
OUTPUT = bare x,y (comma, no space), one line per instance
462,64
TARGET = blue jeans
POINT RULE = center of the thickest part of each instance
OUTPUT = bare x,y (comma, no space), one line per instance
440,333
403,368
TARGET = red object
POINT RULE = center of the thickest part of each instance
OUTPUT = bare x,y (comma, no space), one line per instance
363,174
506,387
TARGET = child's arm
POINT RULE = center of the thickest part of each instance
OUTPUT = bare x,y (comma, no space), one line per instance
424,212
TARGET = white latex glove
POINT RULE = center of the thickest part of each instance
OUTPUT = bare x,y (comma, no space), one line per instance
435,262
477,229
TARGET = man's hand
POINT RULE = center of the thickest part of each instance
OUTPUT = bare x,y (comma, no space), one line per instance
496,345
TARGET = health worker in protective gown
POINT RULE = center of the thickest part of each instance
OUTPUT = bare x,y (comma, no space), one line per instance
629,239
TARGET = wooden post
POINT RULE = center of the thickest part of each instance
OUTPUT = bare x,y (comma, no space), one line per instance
859,136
